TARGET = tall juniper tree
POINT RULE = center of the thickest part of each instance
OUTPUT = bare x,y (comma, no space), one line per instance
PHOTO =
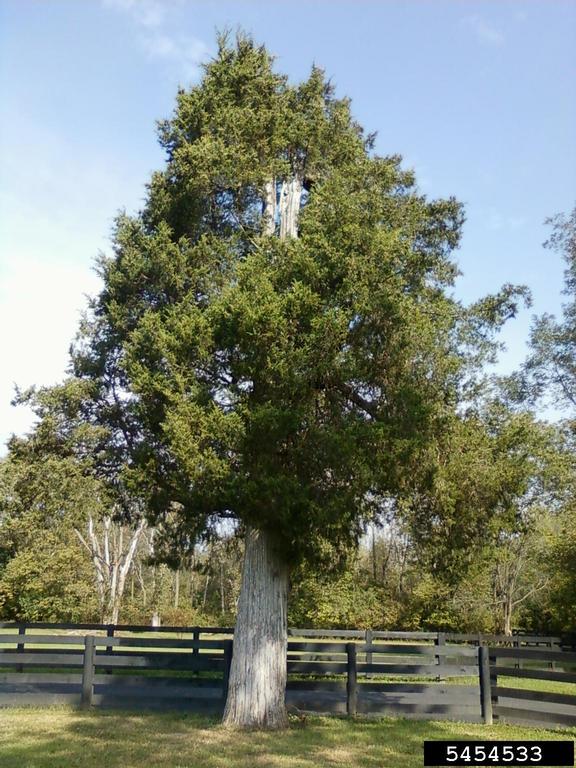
279,325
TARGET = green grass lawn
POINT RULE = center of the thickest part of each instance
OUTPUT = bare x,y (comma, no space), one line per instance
66,738
525,683
551,686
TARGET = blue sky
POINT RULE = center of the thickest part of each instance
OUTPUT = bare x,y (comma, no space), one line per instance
479,98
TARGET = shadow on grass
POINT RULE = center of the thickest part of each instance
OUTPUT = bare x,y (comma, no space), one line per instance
57,738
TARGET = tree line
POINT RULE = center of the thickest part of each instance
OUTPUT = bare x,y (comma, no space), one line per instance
66,558
276,370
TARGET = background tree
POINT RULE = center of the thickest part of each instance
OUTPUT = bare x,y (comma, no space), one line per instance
483,471
59,488
517,575
49,498
112,548
550,370
45,576
549,376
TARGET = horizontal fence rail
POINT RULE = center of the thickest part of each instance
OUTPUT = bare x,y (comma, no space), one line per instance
150,672
363,664
516,640
352,672
521,699
332,677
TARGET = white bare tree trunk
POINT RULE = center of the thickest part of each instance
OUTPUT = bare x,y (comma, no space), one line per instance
507,623
176,588
270,207
257,681
112,561
290,198
286,208
512,585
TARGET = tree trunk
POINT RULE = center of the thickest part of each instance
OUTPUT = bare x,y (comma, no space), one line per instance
290,198
221,586
507,623
176,588
115,612
374,569
269,207
257,684
111,563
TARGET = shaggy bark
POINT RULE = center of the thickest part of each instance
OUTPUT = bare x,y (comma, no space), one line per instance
258,673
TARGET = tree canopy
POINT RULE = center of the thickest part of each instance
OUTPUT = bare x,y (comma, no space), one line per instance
288,382
550,370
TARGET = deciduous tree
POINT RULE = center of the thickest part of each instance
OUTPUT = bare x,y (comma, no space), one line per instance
550,370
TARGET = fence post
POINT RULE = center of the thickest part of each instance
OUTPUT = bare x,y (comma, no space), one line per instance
352,680
109,633
485,691
20,648
369,641
440,640
228,650
195,636
518,661
492,660
109,648
88,671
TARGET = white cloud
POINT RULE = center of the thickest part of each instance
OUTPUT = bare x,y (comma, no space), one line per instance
162,45
484,32
186,52
147,13
150,17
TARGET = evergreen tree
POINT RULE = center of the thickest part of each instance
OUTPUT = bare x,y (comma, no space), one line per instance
279,326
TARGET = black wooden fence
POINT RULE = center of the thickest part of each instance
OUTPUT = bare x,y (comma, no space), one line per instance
521,703
193,674
114,671
410,675
368,635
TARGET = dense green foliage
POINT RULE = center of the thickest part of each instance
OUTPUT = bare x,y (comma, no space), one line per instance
292,384
550,370
549,375
44,494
